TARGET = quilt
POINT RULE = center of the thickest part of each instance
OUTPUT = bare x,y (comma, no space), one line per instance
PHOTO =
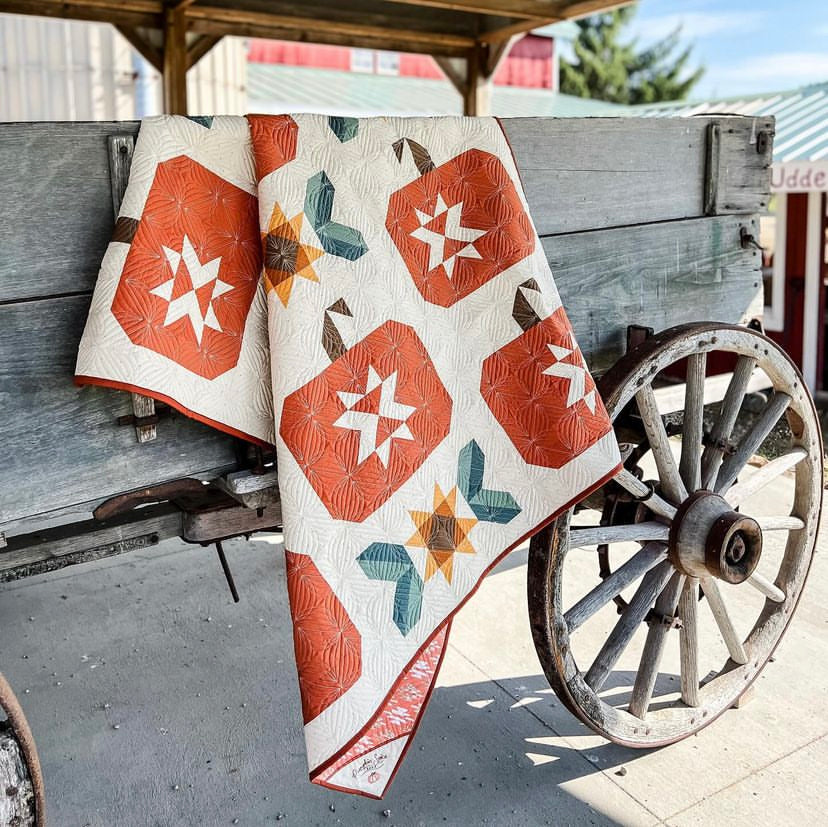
371,297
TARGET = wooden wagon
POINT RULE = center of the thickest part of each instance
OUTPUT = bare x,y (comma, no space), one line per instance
647,225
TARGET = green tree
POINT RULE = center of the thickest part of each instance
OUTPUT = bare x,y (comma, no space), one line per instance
607,68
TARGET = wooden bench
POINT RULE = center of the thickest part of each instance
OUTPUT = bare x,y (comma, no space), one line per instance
643,221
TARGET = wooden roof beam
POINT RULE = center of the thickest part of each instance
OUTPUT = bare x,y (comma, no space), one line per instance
506,33
149,51
588,7
200,47
130,13
541,9
497,8
221,21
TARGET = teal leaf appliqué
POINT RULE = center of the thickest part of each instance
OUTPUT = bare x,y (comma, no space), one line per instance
335,238
487,504
388,561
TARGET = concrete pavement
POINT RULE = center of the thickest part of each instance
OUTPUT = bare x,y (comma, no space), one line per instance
157,701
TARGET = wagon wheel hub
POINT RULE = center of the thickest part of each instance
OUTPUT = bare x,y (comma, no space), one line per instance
709,538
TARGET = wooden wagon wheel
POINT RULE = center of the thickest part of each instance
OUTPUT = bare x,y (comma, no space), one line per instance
709,582
22,800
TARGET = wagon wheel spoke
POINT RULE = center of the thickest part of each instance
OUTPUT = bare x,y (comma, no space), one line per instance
651,585
639,564
723,621
763,585
731,404
600,535
664,610
789,523
693,424
660,445
641,491
731,467
689,642
764,476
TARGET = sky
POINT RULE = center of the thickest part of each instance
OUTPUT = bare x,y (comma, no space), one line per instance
747,46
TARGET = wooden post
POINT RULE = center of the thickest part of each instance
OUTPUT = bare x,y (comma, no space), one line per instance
175,61
477,95
473,77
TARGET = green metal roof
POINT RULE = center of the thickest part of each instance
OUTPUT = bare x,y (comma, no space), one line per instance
278,88
801,114
801,118
564,30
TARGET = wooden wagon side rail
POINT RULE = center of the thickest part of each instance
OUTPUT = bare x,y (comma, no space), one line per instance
579,174
643,221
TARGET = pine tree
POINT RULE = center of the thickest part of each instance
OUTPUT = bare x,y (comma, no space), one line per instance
606,68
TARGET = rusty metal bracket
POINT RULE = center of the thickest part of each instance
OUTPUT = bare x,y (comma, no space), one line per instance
670,621
638,333
159,410
748,240
174,490
713,152
723,445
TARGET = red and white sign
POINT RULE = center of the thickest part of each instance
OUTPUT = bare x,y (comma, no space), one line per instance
799,176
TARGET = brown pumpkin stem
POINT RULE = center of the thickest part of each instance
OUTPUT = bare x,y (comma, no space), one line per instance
418,152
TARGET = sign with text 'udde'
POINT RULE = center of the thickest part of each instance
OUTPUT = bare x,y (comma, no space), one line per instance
799,176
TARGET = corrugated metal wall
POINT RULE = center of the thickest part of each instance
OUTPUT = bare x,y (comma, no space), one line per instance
70,70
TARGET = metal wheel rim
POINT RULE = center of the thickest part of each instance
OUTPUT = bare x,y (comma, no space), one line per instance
10,706
549,548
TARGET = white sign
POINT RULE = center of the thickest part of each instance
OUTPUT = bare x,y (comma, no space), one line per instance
799,176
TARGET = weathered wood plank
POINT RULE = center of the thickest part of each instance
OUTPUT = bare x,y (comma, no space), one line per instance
588,173
657,275
56,211
60,546
579,174
744,171
58,201
208,526
61,444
